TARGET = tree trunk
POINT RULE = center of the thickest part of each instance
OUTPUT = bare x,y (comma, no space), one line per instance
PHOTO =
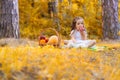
53,11
110,19
9,19
56,16
33,3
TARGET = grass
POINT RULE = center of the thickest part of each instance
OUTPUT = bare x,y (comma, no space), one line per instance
49,63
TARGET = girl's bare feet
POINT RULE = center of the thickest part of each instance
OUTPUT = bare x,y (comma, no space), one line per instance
92,43
65,42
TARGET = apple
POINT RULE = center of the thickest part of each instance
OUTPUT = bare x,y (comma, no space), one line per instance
46,40
82,29
42,37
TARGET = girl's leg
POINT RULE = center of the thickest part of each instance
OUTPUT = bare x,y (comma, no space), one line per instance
91,43
66,42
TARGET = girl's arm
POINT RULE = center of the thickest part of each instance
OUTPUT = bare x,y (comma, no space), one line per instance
83,35
72,36
73,39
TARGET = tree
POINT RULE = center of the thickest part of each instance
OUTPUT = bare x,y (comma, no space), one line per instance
9,19
53,11
110,19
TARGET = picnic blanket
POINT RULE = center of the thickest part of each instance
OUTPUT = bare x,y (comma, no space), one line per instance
94,48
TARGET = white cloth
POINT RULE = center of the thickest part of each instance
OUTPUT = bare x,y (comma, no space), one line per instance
78,40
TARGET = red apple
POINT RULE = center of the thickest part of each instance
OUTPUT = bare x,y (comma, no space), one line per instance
42,37
46,40
82,29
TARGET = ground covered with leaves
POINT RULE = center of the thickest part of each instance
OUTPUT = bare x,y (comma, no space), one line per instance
50,63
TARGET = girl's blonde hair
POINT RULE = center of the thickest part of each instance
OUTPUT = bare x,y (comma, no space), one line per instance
74,22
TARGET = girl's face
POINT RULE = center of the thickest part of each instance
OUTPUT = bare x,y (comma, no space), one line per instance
79,24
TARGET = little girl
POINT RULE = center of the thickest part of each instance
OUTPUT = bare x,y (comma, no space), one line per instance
79,35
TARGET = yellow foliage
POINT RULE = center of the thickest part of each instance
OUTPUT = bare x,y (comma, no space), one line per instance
34,16
119,33
53,63
74,7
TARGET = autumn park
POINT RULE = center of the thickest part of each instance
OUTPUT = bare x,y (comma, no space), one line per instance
59,40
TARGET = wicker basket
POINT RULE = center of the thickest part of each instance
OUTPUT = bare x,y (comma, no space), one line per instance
54,40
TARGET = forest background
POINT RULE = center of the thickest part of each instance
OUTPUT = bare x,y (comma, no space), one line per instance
35,17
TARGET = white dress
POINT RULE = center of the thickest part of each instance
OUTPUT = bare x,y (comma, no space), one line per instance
78,40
